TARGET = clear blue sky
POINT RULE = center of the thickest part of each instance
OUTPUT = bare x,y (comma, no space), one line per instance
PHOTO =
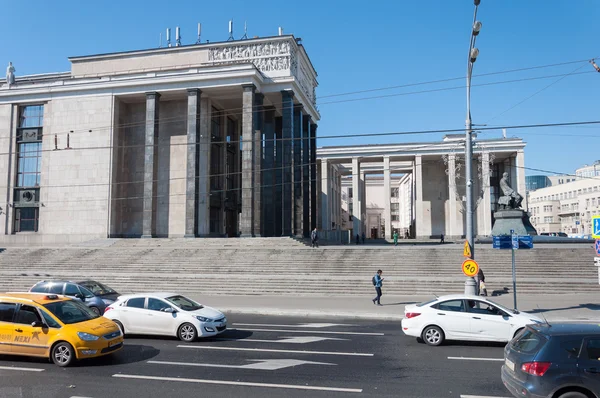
363,45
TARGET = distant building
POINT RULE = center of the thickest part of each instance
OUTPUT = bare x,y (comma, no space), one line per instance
588,171
536,182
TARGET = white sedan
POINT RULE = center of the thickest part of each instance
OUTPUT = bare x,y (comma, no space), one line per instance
166,314
463,317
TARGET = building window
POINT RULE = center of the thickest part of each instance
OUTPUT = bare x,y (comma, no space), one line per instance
395,192
29,165
548,219
350,194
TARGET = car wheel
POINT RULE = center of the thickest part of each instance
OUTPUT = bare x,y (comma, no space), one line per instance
433,335
62,354
120,325
187,332
96,310
573,394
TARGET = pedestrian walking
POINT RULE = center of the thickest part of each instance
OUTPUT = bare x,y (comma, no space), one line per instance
481,289
377,282
396,238
314,238
363,238
357,239
441,238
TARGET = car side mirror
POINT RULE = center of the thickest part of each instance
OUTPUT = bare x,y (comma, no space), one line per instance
169,309
38,324
572,352
79,296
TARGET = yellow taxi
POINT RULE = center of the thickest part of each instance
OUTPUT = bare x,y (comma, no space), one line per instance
55,327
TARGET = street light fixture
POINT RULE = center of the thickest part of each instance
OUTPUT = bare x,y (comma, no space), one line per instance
470,284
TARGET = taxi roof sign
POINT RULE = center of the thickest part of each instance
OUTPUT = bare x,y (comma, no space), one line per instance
467,249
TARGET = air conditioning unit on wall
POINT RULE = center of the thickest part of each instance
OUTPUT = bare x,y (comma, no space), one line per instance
27,196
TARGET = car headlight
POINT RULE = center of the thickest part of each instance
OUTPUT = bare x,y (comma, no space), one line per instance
203,319
87,337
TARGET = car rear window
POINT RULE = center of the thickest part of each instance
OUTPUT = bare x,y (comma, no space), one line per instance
528,342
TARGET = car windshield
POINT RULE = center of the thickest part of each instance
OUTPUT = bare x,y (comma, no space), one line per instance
184,303
97,288
71,311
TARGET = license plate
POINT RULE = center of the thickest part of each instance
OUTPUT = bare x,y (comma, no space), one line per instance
509,364
112,343
220,325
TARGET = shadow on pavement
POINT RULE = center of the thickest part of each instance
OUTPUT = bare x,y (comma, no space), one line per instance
230,335
589,306
402,303
130,353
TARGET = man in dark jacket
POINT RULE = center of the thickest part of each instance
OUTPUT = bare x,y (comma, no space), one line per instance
314,238
378,282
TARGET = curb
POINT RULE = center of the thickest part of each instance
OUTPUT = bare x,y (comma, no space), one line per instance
311,313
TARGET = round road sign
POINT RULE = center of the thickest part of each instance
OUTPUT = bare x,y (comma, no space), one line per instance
470,267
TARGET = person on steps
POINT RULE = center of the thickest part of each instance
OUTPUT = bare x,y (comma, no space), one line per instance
314,238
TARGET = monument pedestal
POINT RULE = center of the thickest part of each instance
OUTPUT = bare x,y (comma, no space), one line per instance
516,220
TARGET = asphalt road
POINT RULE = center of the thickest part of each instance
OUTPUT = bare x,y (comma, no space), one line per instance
270,357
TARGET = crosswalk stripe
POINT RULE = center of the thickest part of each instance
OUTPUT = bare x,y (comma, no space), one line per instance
204,347
238,383
478,359
22,369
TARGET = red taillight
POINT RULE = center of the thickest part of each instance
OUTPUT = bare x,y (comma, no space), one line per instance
536,368
412,314
107,309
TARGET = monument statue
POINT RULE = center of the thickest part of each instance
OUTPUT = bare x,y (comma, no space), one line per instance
511,199
509,216
10,74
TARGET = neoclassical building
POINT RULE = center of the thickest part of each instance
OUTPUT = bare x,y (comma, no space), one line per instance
199,140
414,187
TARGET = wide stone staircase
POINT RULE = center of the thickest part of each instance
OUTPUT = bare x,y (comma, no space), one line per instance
283,266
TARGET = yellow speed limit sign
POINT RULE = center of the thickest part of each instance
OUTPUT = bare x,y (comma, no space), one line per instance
470,267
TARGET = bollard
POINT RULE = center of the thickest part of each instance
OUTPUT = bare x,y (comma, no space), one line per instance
597,264
471,286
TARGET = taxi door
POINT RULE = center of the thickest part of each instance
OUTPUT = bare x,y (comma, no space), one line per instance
7,312
29,339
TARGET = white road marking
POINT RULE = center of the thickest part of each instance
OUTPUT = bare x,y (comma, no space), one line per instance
477,359
238,383
288,340
300,325
478,396
310,331
259,364
23,369
204,347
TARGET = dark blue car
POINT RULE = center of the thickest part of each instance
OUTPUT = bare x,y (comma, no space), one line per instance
560,360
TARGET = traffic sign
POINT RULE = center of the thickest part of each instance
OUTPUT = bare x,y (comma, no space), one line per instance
515,241
467,249
596,227
597,247
470,267
505,242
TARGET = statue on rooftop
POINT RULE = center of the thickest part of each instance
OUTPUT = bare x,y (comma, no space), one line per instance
10,74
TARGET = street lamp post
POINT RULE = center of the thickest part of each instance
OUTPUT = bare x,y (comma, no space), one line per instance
470,285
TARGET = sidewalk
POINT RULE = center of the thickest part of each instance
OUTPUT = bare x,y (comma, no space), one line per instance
552,307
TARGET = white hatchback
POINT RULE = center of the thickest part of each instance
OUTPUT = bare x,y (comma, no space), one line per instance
166,314
463,317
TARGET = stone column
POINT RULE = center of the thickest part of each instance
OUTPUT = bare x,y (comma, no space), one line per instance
485,206
204,168
451,229
313,176
287,121
325,199
257,143
193,136
269,173
420,230
223,143
306,177
298,189
356,202
519,184
363,202
150,165
387,197
278,187
247,221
